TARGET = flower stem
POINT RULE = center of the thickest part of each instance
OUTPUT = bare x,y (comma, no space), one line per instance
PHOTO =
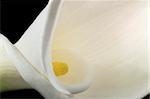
10,79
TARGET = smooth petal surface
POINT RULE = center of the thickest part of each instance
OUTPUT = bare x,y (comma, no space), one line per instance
112,37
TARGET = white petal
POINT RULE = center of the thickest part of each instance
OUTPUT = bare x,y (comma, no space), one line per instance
111,35
33,44
29,73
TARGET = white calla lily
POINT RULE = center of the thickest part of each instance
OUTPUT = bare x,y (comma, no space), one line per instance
103,42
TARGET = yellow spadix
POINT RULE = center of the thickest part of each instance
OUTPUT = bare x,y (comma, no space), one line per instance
60,68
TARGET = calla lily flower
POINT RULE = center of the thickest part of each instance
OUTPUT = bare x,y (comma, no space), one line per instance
81,50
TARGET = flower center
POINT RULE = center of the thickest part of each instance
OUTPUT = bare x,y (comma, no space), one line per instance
60,68
69,67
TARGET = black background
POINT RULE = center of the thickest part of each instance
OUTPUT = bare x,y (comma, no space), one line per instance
15,17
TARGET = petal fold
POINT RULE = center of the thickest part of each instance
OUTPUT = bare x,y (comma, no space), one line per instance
33,44
30,74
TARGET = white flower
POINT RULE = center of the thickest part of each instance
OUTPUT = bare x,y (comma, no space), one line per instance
103,42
